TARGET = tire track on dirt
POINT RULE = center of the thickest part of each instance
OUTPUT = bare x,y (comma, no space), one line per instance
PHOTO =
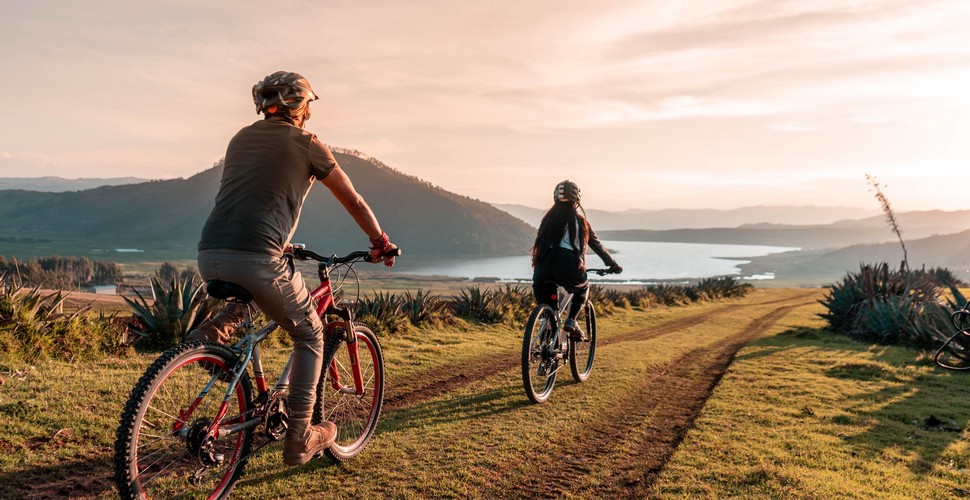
413,389
637,437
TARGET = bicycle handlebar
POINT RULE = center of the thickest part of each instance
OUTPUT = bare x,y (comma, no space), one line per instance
301,253
601,272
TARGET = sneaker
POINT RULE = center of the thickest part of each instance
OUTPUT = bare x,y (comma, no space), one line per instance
300,450
572,328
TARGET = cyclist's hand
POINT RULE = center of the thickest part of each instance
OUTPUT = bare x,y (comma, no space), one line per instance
616,268
379,246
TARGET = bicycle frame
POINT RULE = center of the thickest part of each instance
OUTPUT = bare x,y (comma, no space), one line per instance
249,349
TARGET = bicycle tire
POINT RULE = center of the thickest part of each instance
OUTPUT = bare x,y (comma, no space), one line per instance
582,352
539,363
356,417
151,461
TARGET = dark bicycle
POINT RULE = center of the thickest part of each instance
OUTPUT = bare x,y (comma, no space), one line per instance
546,346
954,354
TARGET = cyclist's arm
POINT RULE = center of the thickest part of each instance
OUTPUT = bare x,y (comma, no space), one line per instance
596,245
339,184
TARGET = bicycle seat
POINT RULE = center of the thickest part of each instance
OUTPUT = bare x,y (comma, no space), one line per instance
227,291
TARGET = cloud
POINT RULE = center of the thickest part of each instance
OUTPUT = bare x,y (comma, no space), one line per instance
5,155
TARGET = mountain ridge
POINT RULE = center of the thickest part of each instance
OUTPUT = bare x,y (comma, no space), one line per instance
421,218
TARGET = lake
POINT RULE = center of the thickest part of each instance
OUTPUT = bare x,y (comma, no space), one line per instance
642,262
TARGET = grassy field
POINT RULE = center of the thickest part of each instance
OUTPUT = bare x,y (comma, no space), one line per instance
740,398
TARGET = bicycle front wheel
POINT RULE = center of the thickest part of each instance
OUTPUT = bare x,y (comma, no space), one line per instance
540,354
581,352
355,414
163,449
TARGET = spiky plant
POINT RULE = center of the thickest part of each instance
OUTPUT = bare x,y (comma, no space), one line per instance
422,308
173,311
384,312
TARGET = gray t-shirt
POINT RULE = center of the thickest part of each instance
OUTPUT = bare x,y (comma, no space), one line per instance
270,167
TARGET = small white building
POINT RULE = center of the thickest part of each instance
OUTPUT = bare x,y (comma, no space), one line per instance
105,289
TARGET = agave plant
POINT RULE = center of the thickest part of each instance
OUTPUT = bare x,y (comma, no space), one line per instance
424,308
173,312
884,305
384,312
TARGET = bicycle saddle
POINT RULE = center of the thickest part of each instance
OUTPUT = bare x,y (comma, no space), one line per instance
227,291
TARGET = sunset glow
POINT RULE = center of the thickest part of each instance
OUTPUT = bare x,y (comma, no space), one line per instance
650,104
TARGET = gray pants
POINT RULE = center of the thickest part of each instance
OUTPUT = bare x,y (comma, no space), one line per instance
282,295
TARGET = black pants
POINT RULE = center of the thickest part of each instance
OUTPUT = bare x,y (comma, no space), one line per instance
561,267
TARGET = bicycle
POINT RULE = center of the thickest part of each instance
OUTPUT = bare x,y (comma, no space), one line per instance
954,354
546,346
191,422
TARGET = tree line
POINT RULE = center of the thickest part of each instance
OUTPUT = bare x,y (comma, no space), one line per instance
63,273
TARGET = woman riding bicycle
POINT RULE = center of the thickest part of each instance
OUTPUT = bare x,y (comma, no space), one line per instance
270,167
559,253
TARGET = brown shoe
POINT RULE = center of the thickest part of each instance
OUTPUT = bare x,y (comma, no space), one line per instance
299,450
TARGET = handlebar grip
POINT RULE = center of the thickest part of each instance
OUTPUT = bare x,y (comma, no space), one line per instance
394,252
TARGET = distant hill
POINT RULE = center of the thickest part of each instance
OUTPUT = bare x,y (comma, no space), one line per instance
60,184
422,219
818,267
914,225
701,218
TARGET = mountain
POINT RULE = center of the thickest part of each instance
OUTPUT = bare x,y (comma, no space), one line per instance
826,266
422,219
914,225
701,218
60,184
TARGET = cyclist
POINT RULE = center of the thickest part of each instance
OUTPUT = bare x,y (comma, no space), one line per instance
559,254
269,169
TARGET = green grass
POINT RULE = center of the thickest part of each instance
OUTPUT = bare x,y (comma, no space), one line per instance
811,414
801,412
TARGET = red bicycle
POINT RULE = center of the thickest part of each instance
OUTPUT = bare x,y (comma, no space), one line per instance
192,420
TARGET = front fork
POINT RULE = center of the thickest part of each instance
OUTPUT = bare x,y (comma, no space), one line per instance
350,337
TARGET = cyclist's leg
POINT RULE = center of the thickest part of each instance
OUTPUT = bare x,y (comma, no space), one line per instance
282,295
220,327
544,284
570,274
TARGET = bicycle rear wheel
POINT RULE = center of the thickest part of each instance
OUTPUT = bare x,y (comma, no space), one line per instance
355,415
162,449
581,352
539,360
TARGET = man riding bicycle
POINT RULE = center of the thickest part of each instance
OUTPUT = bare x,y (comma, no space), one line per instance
270,167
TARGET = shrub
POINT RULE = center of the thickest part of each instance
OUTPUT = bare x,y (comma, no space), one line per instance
384,312
423,308
473,302
32,327
173,311
888,306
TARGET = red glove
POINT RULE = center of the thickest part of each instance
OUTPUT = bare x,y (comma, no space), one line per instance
379,246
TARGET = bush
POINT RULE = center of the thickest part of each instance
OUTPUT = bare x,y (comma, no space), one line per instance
32,328
888,306
384,312
173,311
423,308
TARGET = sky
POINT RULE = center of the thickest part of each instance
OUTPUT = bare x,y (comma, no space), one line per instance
645,104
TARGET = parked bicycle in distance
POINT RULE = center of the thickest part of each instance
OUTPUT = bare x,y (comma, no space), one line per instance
954,354
546,346
192,420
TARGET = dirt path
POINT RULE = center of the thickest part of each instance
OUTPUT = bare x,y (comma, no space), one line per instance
407,391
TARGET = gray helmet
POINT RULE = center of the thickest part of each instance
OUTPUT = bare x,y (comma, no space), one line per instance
567,191
284,93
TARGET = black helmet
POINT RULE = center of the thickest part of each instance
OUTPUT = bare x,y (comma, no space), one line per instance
284,93
567,191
